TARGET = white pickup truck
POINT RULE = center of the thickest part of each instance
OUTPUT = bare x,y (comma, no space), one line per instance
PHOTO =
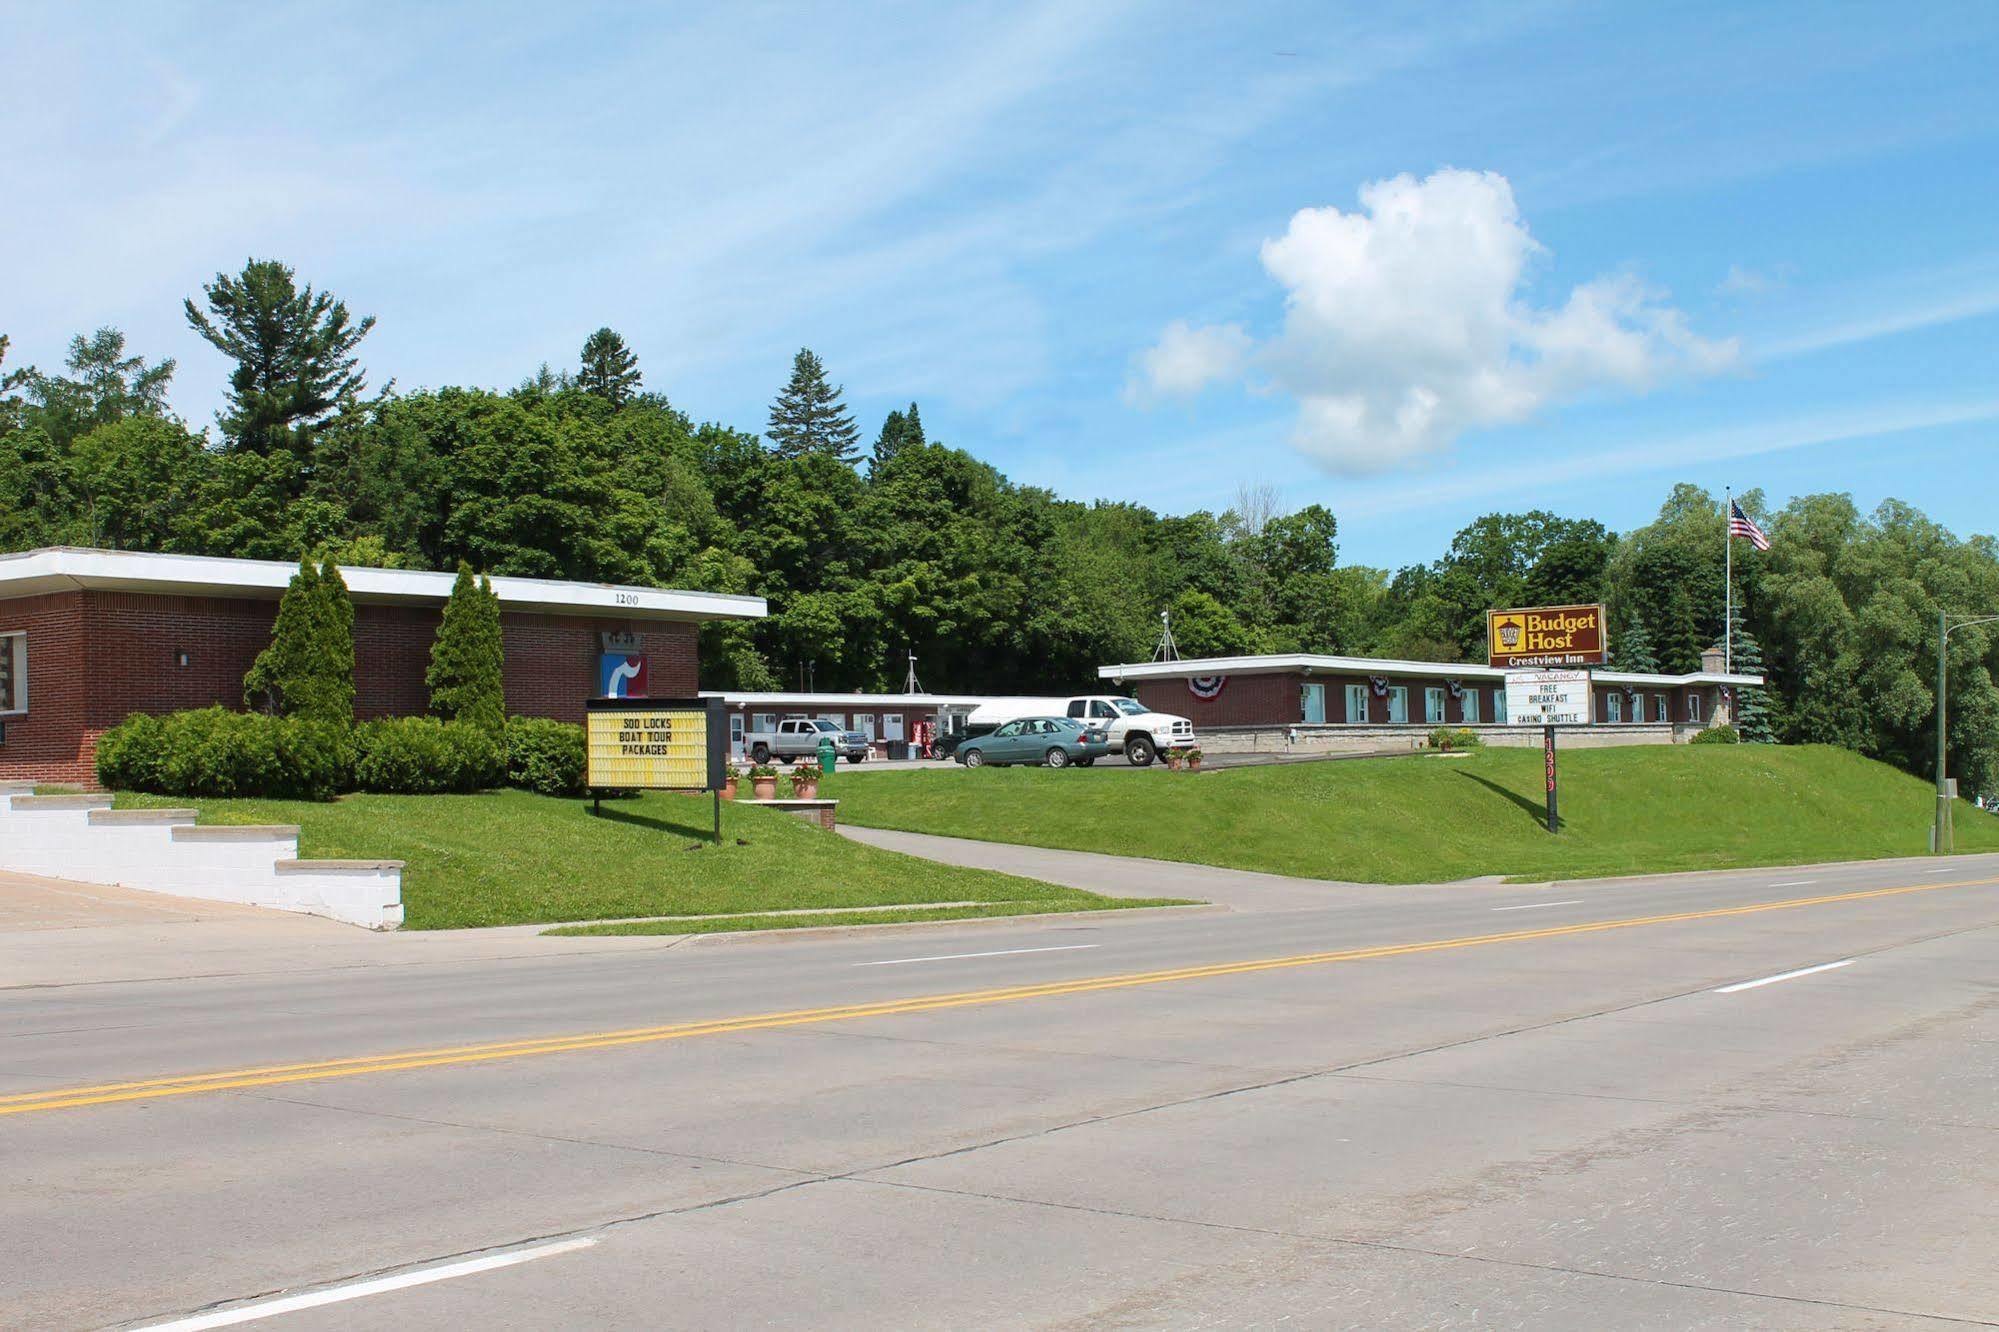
1134,730
799,737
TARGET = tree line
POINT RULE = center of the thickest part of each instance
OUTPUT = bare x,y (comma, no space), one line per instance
869,550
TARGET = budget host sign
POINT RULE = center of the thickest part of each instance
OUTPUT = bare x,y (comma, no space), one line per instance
1545,636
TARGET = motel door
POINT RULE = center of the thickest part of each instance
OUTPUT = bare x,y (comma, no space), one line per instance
736,734
892,726
1312,703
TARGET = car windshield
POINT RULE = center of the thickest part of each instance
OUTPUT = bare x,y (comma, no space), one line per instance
823,725
1130,707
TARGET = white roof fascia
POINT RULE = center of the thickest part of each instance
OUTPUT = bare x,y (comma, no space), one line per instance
1317,664
778,700
64,568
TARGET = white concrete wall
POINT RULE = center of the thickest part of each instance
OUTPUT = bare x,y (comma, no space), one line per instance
80,837
1340,738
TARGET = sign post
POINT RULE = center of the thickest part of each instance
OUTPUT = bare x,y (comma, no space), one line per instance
1548,752
1548,699
658,744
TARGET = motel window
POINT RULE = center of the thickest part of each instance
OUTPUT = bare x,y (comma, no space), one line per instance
1499,704
765,721
1693,706
1433,705
1312,703
1398,704
892,726
1357,703
13,673
1613,706
1662,710
1468,705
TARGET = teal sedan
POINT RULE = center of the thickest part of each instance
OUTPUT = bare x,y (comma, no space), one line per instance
1055,741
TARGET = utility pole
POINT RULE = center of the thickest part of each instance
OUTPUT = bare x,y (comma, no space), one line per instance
1941,839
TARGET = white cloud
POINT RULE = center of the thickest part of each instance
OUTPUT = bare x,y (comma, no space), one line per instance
1405,324
1187,359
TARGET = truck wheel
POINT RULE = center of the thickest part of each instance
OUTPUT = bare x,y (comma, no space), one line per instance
1058,757
975,758
761,753
1138,751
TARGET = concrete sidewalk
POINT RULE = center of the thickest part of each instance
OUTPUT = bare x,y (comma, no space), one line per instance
1132,876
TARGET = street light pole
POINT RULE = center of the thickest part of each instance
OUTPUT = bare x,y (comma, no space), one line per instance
1940,835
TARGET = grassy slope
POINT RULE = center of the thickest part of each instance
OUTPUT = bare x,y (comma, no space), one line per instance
1406,820
508,857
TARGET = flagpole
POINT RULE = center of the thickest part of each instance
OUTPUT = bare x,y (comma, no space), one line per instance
1728,580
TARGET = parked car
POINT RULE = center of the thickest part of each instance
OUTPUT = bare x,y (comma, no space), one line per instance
799,737
1055,741
1132,729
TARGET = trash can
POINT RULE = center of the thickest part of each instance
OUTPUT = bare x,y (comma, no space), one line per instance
898,749
827,758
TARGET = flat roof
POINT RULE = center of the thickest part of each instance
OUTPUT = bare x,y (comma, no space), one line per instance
1307,663
781,699
70,568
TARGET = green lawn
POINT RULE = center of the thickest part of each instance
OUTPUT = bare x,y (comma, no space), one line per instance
508,857
1407,820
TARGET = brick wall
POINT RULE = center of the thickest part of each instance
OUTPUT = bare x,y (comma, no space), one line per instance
1246,700
48,741
96,657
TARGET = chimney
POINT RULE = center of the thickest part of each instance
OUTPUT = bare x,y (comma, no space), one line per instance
1714,661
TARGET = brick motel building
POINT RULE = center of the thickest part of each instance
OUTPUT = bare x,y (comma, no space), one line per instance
1305,702
88,637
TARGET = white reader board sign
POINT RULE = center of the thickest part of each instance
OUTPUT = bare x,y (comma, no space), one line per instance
1548,698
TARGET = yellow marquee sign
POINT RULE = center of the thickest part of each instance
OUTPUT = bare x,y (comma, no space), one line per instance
658,744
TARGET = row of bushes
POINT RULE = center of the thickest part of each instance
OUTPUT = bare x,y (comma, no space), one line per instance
216,752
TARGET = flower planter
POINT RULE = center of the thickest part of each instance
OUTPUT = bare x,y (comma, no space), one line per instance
729,788
1173,762
1193,763
765,787
804,787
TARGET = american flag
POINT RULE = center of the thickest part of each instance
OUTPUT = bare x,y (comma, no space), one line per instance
1740,526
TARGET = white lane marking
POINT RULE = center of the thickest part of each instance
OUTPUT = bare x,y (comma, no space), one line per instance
1791,883
1788,975
1529,906
379,1285
1000,952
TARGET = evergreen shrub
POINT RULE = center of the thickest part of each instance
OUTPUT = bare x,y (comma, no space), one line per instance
216,752
424,756
545,756
1716,735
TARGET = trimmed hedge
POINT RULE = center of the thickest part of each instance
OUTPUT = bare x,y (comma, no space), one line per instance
545,756
1716,735
216,752
1450,737
425,756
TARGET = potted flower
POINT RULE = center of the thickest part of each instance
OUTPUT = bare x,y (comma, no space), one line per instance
1194,759
763,780
730,777
1173,760
805,781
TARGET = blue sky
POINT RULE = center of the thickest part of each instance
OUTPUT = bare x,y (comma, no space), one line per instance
1557,255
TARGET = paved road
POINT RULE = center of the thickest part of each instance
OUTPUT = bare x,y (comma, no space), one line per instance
1484,1106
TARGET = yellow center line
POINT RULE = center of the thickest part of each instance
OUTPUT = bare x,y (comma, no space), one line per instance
277,1074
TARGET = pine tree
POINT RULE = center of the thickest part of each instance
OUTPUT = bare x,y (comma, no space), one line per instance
890,441
1634,650
902,430
1752,709
294,354
809,416
466,660
308,668
610,368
